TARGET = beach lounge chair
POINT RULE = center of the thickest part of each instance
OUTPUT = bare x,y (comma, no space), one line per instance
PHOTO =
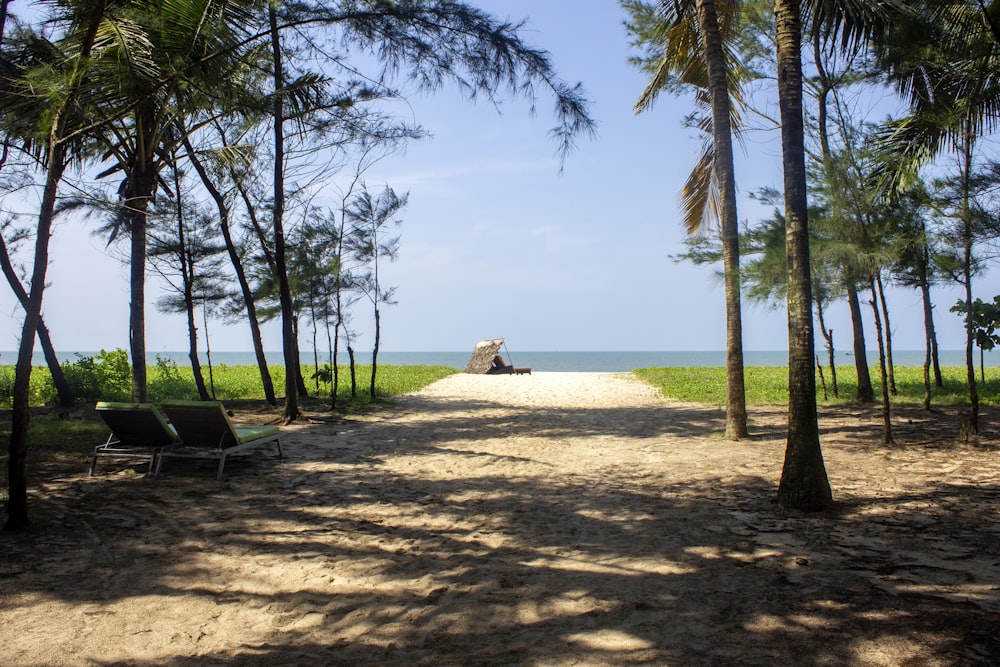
137,430
499,367
208,433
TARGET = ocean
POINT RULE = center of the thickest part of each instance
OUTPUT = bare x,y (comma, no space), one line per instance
550,361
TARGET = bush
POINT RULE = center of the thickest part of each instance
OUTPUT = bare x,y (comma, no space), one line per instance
106,377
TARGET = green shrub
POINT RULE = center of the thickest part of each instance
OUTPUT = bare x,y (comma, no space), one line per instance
105,377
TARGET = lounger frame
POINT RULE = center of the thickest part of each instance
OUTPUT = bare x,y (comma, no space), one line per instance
207,433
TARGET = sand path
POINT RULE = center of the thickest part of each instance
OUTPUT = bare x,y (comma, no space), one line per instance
550,519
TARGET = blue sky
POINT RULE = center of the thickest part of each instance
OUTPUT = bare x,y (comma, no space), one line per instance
496,242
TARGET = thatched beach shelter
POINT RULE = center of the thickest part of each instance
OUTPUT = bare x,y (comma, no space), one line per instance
482,361
483,355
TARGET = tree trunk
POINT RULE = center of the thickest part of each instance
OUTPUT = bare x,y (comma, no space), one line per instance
17,467
378,333
736,411
336,363
866,394
187,272
888,334
288,343
241,277
55,164
929,336
804,484
63,390
967,240
300,381
199,379
142,185
886,415
315,337
828,337
354,371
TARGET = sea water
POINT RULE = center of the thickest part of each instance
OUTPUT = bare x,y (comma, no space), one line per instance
546,361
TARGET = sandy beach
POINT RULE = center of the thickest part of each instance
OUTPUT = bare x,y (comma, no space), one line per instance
545,519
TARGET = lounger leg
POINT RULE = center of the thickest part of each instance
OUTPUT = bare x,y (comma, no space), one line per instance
222,464
93,459
152,462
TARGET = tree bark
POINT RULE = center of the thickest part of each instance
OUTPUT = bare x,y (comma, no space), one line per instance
929,335
866,393
886,415
188,275
378,333
804,484
142,185
736,412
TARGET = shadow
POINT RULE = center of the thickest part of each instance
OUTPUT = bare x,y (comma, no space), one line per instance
425,536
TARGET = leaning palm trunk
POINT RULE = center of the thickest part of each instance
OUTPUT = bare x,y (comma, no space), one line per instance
17,478
63,390
804,484
736,412
55,165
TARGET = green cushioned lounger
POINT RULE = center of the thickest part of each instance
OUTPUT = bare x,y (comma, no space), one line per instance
137,430
207,432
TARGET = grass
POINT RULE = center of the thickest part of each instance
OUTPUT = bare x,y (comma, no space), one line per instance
167,381
67,435
768,385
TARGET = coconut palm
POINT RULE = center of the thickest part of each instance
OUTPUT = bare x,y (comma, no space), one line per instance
195,48
693,52
52,83
851,23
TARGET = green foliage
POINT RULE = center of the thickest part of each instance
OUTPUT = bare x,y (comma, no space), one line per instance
165,382
768,385
985,321
107,376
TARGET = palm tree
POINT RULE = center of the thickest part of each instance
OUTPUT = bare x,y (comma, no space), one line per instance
194,47
54,137
804,483
694,52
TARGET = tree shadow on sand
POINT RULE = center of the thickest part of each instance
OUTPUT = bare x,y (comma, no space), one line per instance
361,549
